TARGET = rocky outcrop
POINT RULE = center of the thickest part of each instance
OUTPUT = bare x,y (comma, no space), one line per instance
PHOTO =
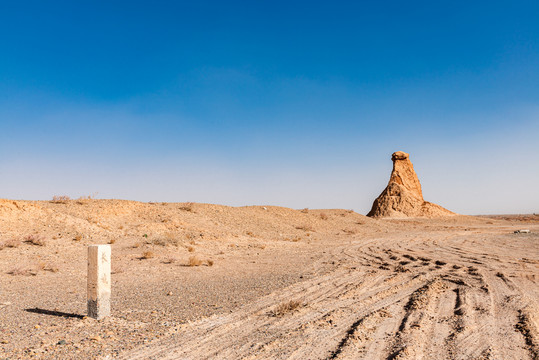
403,196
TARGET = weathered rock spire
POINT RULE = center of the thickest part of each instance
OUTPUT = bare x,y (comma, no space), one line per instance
403,196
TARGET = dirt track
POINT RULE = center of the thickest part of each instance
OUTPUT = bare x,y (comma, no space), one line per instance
455,288
435,296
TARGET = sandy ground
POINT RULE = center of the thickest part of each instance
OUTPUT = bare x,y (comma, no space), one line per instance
273,283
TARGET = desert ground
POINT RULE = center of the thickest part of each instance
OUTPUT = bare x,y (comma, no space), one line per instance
201,281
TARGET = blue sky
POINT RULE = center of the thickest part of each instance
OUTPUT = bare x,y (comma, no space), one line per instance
296,104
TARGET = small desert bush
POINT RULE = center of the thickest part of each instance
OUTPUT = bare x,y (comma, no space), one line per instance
194,261
168,238
35,239
294,239
305,210
147,255
349,231
190,249
169,260
209,262
323,216
112,241
78,237
171,238
11,243
159,242
60,199
305,227
285,308
22,271
85,198
187,207
49,267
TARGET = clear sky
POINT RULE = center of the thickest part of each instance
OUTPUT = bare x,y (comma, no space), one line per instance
291,103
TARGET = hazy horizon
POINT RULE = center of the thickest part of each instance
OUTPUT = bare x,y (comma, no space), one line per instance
297,105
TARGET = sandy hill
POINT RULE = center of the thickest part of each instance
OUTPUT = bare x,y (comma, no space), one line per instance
105,220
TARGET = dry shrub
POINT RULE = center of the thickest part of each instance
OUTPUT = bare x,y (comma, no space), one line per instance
190,249
187,207
305,210
249,233
85,198
286,307
49,267
323,216
171,238
147,255
60,199
209,262
294,239
11,243
35,239
112,241
78,237
194,261
349,231
24,271
305,227
159,242
169,260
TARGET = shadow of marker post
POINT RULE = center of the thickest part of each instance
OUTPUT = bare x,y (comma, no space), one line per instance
99,281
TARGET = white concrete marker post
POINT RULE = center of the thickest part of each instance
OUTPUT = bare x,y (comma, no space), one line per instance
99,281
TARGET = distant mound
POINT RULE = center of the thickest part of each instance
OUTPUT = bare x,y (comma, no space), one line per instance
403,196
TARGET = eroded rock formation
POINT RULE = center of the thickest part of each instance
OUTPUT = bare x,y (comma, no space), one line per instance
403,196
